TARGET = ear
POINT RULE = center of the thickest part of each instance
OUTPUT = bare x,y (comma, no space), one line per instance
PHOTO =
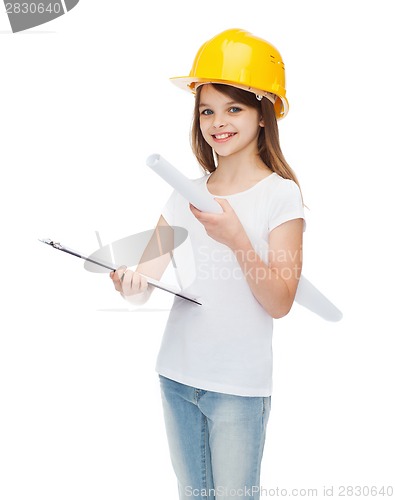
261,122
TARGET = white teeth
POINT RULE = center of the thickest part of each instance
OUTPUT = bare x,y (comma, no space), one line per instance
223,136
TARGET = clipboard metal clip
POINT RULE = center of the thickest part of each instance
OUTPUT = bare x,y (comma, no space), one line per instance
48,241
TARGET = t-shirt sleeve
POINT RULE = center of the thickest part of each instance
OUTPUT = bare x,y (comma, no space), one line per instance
286,204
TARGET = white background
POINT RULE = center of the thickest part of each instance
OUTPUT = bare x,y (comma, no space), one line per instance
84,100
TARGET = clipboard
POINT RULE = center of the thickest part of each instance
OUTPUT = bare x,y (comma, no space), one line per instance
150,281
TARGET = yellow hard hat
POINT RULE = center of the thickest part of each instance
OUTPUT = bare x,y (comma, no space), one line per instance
236,57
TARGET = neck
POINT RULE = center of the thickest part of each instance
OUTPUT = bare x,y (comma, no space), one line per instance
239,167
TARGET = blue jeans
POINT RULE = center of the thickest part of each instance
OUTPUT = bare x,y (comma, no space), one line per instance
216,441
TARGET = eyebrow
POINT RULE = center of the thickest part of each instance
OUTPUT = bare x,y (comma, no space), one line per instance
204,105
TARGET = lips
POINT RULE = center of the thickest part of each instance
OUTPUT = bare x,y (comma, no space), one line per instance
224,136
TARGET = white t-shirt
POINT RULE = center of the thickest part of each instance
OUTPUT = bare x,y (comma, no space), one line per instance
225,344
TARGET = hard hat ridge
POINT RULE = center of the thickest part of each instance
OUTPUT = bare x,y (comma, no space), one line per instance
236,57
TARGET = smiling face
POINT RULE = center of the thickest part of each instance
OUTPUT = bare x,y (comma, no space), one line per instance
228,126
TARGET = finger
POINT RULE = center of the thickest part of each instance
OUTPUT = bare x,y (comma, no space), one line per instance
126,282
194,210
117,277
203,217
118,272
113,274
135,284
224,203
143,282
139,283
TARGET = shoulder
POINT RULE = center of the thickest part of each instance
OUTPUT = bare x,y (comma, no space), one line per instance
279,183
285,201
284,189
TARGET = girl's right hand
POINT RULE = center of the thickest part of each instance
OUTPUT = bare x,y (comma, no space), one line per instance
128,282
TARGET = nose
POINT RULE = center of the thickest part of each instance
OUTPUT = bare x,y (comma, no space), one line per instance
219,121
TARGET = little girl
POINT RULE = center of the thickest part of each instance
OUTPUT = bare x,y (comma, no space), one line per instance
215,361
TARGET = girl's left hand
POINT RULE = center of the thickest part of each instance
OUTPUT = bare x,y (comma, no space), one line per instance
225,228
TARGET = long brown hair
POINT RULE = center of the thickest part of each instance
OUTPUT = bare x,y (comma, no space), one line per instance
268,139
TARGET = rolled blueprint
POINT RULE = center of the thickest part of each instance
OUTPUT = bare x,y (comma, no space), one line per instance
188,189
307,294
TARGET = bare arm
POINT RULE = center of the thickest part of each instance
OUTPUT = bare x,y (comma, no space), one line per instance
274,284
132,285
154,268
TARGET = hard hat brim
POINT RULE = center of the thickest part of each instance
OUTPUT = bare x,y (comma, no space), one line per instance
190,84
